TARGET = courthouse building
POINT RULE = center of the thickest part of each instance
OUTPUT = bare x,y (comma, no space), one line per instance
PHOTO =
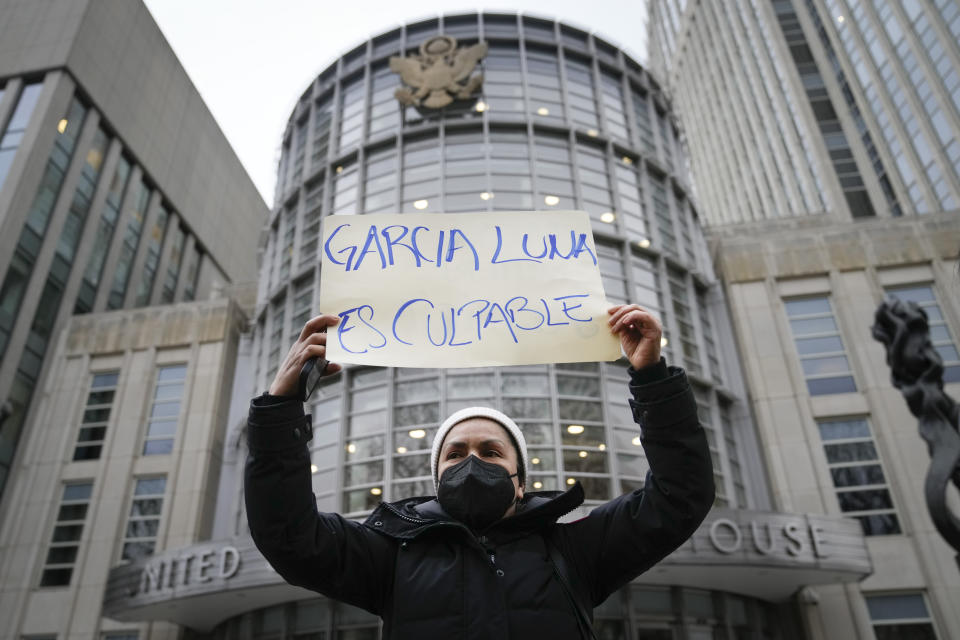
561,119
824,141
123,211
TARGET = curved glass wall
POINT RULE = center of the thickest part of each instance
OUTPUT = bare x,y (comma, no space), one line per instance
643,613
563,121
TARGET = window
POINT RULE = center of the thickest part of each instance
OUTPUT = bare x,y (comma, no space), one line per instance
345,188
10,141
421,175
140,538
153,257
641,116
939,332
819,346
67,532
580,96
322,119
96,416
543,82
502,83
351,112
48,308
101,243
165,410
276,337
173,267
612,96
596,197
554,168
384,112
857,474
192,273
903,615
286,246
582,437
661,210
302,305
380,186
35,228
680,296
313,206
131,239
363,472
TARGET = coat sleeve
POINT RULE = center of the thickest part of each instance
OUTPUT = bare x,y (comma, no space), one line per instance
626,536
323,552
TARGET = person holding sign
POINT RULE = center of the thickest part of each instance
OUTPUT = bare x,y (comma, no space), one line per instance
484,558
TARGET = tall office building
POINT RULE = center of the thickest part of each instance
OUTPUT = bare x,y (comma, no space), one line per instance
123,211
824,142
562,120
115,184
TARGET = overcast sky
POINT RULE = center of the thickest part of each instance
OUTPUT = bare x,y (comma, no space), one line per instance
252,59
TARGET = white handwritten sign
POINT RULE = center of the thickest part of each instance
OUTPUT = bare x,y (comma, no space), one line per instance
464,290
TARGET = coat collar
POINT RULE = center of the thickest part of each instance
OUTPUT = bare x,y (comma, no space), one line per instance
409,518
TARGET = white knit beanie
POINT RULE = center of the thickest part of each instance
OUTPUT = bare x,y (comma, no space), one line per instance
478,412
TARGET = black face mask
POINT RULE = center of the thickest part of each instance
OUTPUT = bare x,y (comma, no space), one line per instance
475,492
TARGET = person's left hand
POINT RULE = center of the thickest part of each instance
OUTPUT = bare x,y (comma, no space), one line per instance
639,331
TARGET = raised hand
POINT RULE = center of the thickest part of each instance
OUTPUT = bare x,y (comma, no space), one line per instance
311,343
639,332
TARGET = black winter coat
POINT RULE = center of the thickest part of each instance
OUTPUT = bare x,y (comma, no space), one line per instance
429,576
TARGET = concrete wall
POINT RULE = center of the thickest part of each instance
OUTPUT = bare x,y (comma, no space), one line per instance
204,335
852,263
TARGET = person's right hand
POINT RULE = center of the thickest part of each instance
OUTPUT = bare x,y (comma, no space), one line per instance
312,343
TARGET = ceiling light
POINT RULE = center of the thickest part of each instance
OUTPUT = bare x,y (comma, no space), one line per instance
551,201
485,195
592,133
537,485
535,460
376,491
602,447
340,169
481,106
62,125
627,160
582,454
351,448
543,111
663,342
420,204
401,449
418,433
575,429
313,468
571,481
636,441
643,243
840,19
607,216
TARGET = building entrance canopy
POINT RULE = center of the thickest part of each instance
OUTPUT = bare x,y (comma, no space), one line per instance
760,554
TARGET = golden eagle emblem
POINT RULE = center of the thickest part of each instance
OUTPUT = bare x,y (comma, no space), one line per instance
439,74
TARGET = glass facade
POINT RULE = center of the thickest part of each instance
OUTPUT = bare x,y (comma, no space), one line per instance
640,613
551,128
555,126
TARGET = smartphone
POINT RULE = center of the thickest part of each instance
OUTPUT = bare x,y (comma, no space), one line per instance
310,374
